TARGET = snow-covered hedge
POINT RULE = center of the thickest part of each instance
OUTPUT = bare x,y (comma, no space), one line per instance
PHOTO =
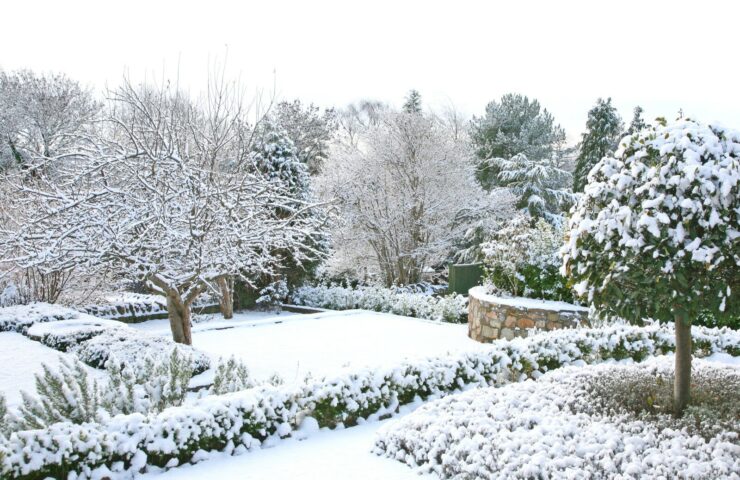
558,427
91,339
238,421
449,309
19,318
127,345
133,307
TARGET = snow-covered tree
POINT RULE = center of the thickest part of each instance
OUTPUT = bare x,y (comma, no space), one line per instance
159,200
656,233
637,122
603,131
405,192
413,102
540,185
310,130
40,115
511,126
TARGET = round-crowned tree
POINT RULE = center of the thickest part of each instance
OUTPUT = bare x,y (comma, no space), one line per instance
656,233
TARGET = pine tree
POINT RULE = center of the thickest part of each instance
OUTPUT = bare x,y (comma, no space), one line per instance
511,126
637,122
603,131
541,186
413,102
274,155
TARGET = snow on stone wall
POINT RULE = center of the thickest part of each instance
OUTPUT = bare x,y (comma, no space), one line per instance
491,317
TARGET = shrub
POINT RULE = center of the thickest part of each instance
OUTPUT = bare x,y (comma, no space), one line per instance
451,308
128,345
231,375
147,385
575,423
66,395
522,260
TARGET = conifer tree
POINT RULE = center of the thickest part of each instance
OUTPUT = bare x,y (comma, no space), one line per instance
514,125
603,131
637,122
413,102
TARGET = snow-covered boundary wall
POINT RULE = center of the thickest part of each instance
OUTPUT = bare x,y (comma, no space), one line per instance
491,317
240,421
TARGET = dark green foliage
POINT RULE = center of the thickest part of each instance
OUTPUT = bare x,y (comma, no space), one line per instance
637,123
603,131
512,126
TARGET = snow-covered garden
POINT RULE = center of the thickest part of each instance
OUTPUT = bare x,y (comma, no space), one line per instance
189,288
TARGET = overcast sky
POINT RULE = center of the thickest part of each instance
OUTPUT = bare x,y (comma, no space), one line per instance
661,55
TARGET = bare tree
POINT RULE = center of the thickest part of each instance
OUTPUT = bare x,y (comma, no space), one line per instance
161,197
406,190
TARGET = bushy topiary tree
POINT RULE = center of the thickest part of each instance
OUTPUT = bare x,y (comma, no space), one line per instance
657,233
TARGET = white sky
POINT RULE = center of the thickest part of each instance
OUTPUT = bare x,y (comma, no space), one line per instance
663,55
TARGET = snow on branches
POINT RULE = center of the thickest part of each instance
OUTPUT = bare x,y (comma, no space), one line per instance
167,195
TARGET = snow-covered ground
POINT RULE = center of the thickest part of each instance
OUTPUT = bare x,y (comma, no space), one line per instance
21,358
293,345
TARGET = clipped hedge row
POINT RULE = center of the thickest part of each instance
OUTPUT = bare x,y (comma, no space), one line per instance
450,308
239,421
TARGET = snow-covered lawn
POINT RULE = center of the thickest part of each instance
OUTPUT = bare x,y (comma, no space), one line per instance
323,343
20,359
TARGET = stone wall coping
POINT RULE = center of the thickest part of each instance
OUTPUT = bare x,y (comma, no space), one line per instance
481,294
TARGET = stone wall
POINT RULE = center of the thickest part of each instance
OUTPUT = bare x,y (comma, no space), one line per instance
491,317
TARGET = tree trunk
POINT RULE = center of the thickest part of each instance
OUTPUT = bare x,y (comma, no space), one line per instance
226,298
179,315
682,382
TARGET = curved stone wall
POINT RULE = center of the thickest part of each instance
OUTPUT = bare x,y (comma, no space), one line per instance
491,317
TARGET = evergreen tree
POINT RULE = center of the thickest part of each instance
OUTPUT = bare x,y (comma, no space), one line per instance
542,187
413,102
274,155
637,122
310,130
511,126
603,131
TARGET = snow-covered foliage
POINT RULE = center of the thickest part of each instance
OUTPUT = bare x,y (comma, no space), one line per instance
522,258
147,384
406,192
378,299
68,394
658,226
561,427
128,346
231,375
241,420
273,294
308,128
542,186
514,125
19,318
275,156
603,131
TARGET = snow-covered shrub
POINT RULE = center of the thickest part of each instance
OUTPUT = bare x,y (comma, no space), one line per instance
147,385
273,294
560,426
68,394
128,345
19,318
238,421
451,308
63,334
4,427
10,295
231,375
521,259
